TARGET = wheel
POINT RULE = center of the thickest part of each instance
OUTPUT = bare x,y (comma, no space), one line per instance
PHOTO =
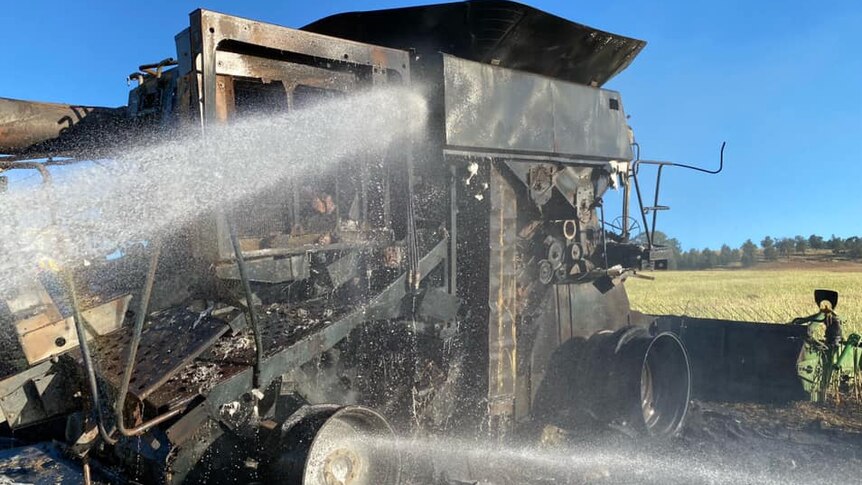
631,224
331,445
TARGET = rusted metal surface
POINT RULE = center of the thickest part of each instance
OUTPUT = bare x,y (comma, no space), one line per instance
41,392
27,123
46,334
221,46
503,303
308,343
211,32
169,342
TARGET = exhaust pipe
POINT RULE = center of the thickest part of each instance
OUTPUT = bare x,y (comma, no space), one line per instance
335,445
627,378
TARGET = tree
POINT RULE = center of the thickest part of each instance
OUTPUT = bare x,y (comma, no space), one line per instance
769,251
749,253
836,244
854,247
708,259
815,241
690,259
785,246
675,252
801,244
725,255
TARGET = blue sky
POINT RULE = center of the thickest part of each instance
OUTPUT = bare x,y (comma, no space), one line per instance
781,81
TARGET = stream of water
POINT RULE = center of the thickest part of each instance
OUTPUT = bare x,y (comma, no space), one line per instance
153,187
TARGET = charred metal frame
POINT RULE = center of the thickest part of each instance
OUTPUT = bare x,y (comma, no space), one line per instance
303,351
210,30
77,317
209,33
277,53
276,48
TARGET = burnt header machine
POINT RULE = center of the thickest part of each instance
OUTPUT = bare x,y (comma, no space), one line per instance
469,283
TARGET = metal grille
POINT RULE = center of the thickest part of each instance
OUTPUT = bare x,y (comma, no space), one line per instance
169,342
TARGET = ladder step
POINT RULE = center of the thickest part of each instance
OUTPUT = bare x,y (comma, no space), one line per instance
657,208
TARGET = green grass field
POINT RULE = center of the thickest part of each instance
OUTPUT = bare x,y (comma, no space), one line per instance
775,296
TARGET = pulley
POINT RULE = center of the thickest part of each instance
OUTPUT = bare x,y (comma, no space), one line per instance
546,272
556,253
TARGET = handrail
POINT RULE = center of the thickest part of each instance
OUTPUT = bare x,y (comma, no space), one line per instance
140,318
650,230
252,316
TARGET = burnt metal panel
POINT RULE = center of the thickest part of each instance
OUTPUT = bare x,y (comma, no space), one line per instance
589,122
438,304
184,52
291,74
36,127
223,45
48,334
169,341
287,355
595,307
564,312
582,309
269,270
502,301
740,361
344,268
501,32
489,108
212,32
37,394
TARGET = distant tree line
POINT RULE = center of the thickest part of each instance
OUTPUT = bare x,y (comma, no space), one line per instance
749,254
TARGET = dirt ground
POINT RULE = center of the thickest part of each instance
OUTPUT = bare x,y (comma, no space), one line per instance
800,416
792,443
722,443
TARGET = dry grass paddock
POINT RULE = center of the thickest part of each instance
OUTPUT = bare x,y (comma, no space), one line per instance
758,295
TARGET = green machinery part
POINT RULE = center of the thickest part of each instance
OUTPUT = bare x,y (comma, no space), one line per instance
824,370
